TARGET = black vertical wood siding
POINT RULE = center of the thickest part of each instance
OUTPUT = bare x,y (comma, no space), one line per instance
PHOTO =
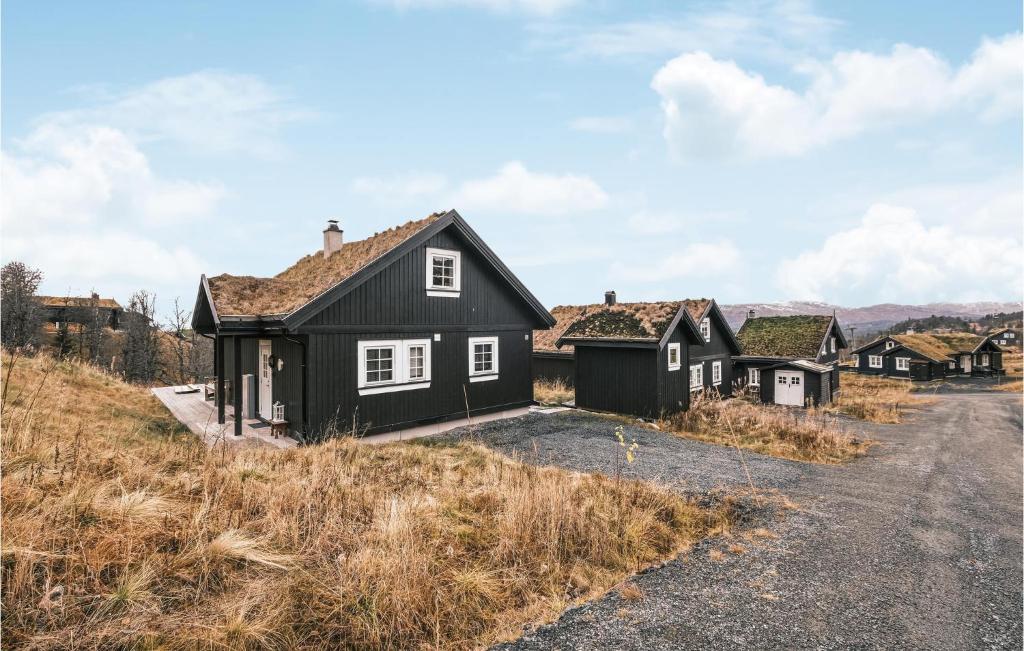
715,350
623,380
554,366
674,386
334,376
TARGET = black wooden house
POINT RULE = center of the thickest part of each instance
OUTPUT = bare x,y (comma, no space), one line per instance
929,356
771,345
710,361
419,324
633,358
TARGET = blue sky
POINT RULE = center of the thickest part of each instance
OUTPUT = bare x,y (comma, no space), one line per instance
854,153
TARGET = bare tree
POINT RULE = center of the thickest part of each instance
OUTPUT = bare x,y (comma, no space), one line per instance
21,316
140,352
94,325
177,327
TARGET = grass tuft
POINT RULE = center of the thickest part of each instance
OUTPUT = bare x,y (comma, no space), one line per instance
876,399
120,530
552,392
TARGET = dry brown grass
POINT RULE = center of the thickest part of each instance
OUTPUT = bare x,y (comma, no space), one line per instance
1014,386
552,392
631,592
765,429
876,399
1013,363
122,531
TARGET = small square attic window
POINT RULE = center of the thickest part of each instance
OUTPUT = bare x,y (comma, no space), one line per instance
444,273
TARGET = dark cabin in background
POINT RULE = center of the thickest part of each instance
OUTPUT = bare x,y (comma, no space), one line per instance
773,342
633,358
552,363
929,356
1006,337
81,310
710,362
419,324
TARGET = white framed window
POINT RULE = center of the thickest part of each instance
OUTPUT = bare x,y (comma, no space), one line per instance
483,359
444,272
832,343
1010,335
716,373
855,358
696,376
984,359
754,377
1001,341
705,328
794,381
781,379
875,361
952,365
902,363
675,362
393,365
889,344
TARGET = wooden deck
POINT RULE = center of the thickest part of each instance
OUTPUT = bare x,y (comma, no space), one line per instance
200,416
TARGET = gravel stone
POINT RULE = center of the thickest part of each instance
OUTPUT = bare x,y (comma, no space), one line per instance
917,545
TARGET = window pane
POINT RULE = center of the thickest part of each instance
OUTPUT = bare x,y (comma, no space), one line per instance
416,357
443,271
379,364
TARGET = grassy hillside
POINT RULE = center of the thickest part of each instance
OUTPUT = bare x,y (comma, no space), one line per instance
121,531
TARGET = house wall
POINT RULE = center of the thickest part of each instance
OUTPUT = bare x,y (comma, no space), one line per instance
554,366
740,371
715,350
393,304
862,359
674,386
619,379
250,353
333,372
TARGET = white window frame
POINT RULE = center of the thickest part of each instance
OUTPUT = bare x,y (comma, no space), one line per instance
678,364
696,376
754,377
705,329
874,361
400,380
889,344
832,343
952,364
855,358
492,373
716,373
985,359
439,290
1011,335
902,363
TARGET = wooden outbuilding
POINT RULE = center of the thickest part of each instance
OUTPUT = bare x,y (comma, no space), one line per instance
797,383
767,342
633,358
419,324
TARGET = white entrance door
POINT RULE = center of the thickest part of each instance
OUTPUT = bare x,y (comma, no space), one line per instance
266,379
965,363
789,388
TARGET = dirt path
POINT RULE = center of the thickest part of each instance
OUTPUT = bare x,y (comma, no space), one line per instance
916,546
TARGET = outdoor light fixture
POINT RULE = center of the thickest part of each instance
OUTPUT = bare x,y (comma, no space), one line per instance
280,364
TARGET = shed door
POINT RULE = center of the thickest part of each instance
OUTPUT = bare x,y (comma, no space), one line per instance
266,379
789,388
965,363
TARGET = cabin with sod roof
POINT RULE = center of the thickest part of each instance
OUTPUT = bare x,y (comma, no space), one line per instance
711,361
771,343
1006,337
929,356
552,363
419,324
81,310
633,358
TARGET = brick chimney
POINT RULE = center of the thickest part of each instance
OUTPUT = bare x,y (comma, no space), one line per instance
609,297
750,314
332,238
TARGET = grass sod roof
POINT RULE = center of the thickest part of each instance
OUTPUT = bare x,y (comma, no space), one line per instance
309,277
697,307
783,336
625,321
939,347
565,315
77,301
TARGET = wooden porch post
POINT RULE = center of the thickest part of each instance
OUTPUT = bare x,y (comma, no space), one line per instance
236,383
219,361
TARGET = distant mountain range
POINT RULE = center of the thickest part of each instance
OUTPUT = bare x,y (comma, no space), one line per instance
873,318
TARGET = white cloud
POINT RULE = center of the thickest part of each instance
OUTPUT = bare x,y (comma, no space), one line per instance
515,190
84,205
697,260
412,185
769,29
713,107
597,124
209,111
533,7
894,256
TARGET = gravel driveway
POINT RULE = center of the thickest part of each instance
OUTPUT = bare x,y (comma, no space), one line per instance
918,545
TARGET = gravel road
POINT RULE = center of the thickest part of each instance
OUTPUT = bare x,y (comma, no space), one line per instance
918,545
